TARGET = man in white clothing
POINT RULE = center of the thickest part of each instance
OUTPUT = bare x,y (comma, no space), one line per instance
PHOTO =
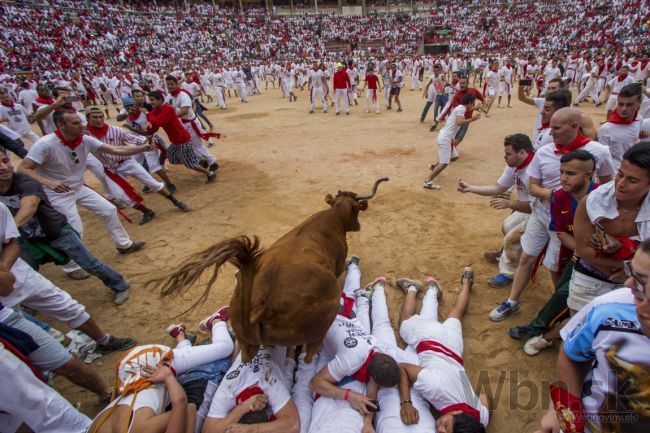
16,116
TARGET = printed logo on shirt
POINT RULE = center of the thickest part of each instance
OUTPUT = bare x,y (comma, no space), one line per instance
350,342
232,375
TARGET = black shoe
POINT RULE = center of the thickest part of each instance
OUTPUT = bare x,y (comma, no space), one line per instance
148,216
146,189
399,110
356,102
389,108
204,163
421,119
214,167
115,344
211,177
171,188
135,246
182,206
521,332
433,127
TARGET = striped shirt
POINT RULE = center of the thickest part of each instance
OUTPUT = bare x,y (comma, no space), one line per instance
117,136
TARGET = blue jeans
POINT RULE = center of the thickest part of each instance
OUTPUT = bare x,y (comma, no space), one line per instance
440,102
426,110
462,131
70,243
198,110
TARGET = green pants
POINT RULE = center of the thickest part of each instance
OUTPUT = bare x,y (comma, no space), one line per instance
555,310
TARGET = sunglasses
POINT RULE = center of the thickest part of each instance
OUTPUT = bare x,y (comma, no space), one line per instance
73,155
639,286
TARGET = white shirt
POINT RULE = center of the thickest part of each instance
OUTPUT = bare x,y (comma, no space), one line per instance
615,85
193,88
506,73
28,96
56,161
448,132
316,78
511,176
348,345
16,117
179,101
492,79
546,167
262,371
47,121
621,137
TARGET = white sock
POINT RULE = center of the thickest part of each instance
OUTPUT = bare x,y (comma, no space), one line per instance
411,289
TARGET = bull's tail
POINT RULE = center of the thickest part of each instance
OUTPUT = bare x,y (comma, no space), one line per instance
241,252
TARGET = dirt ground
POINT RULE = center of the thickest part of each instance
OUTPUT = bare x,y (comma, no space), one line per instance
277,164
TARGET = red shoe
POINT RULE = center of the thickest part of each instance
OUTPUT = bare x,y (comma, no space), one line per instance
222,314
175,329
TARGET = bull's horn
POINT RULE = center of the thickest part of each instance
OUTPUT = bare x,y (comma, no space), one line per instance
374,190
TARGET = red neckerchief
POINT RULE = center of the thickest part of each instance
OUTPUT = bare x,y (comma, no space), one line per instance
134,117
617,119
621,78
363,375
577,143
47,101
454,82
544,126
526,162
493,70
9,105
508,66
644,63
465,408
72,144
99,133
179,90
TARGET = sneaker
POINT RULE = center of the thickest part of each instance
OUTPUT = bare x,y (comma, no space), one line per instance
347,113
499,281
367,111
182,206
370,288
433,127
536,344
499,106
504,310
311,111
213,167
399,110
405,284
203,163
148,216
487,114
116,344
120,297
175,329
146,189
430,185
78,274
212,176
353,259
431,283
509,106
492,257
389,108
135,246
338,114
521,332
222,314
171,188
377,112
325,111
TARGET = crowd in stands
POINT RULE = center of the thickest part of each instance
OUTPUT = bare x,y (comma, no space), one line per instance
70,35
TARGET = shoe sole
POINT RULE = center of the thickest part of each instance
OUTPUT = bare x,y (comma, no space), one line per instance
502,318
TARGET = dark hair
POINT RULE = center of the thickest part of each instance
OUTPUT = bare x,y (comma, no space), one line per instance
384,370
465,423
518,142
580,155
645,246
136,91
156,95
639,155
171,78
559,98
24,85
631,90
257,417
57,116
467,99
557,80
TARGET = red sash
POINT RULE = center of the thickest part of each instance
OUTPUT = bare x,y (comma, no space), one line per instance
434,346
363,375
204,135
126,186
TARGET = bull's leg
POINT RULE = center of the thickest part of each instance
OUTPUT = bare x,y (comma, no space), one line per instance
312,349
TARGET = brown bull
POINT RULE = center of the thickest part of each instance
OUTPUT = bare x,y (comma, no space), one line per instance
288,294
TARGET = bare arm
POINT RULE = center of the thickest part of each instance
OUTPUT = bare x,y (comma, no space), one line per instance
408,374
536,190
589,130
286,421
28,206
121,117
125,150
324,384
486,190
10,253
182,111
45,111
567,240
583,231
523,98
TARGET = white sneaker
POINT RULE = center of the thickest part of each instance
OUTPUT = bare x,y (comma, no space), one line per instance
430,185
536,344
367,111
499,106
509,106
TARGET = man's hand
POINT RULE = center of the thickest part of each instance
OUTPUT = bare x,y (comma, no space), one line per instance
500,203
359,402
409,414
610,246
240,428
464,187
147,125
7,280
476,116
256,403
57,186
549,423
157,374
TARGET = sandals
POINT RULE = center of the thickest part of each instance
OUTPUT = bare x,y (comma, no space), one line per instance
468,274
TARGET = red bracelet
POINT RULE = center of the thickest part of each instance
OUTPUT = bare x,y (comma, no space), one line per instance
347,394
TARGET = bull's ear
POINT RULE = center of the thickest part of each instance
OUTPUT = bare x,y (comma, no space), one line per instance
329,199
363,204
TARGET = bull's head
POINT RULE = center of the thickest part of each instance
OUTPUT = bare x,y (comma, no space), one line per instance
351,203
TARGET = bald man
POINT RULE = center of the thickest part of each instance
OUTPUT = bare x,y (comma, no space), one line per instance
544,179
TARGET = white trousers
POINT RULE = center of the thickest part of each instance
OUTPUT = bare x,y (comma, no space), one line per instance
131,168
387,94
242,90
590,89
197,142
219,97
32,402
317,92
35,291
67,202
342,94
31,136
187,357
513,228
301,394
153,160
95,166
370,95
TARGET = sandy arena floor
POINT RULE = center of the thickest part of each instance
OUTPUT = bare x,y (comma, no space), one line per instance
277,164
